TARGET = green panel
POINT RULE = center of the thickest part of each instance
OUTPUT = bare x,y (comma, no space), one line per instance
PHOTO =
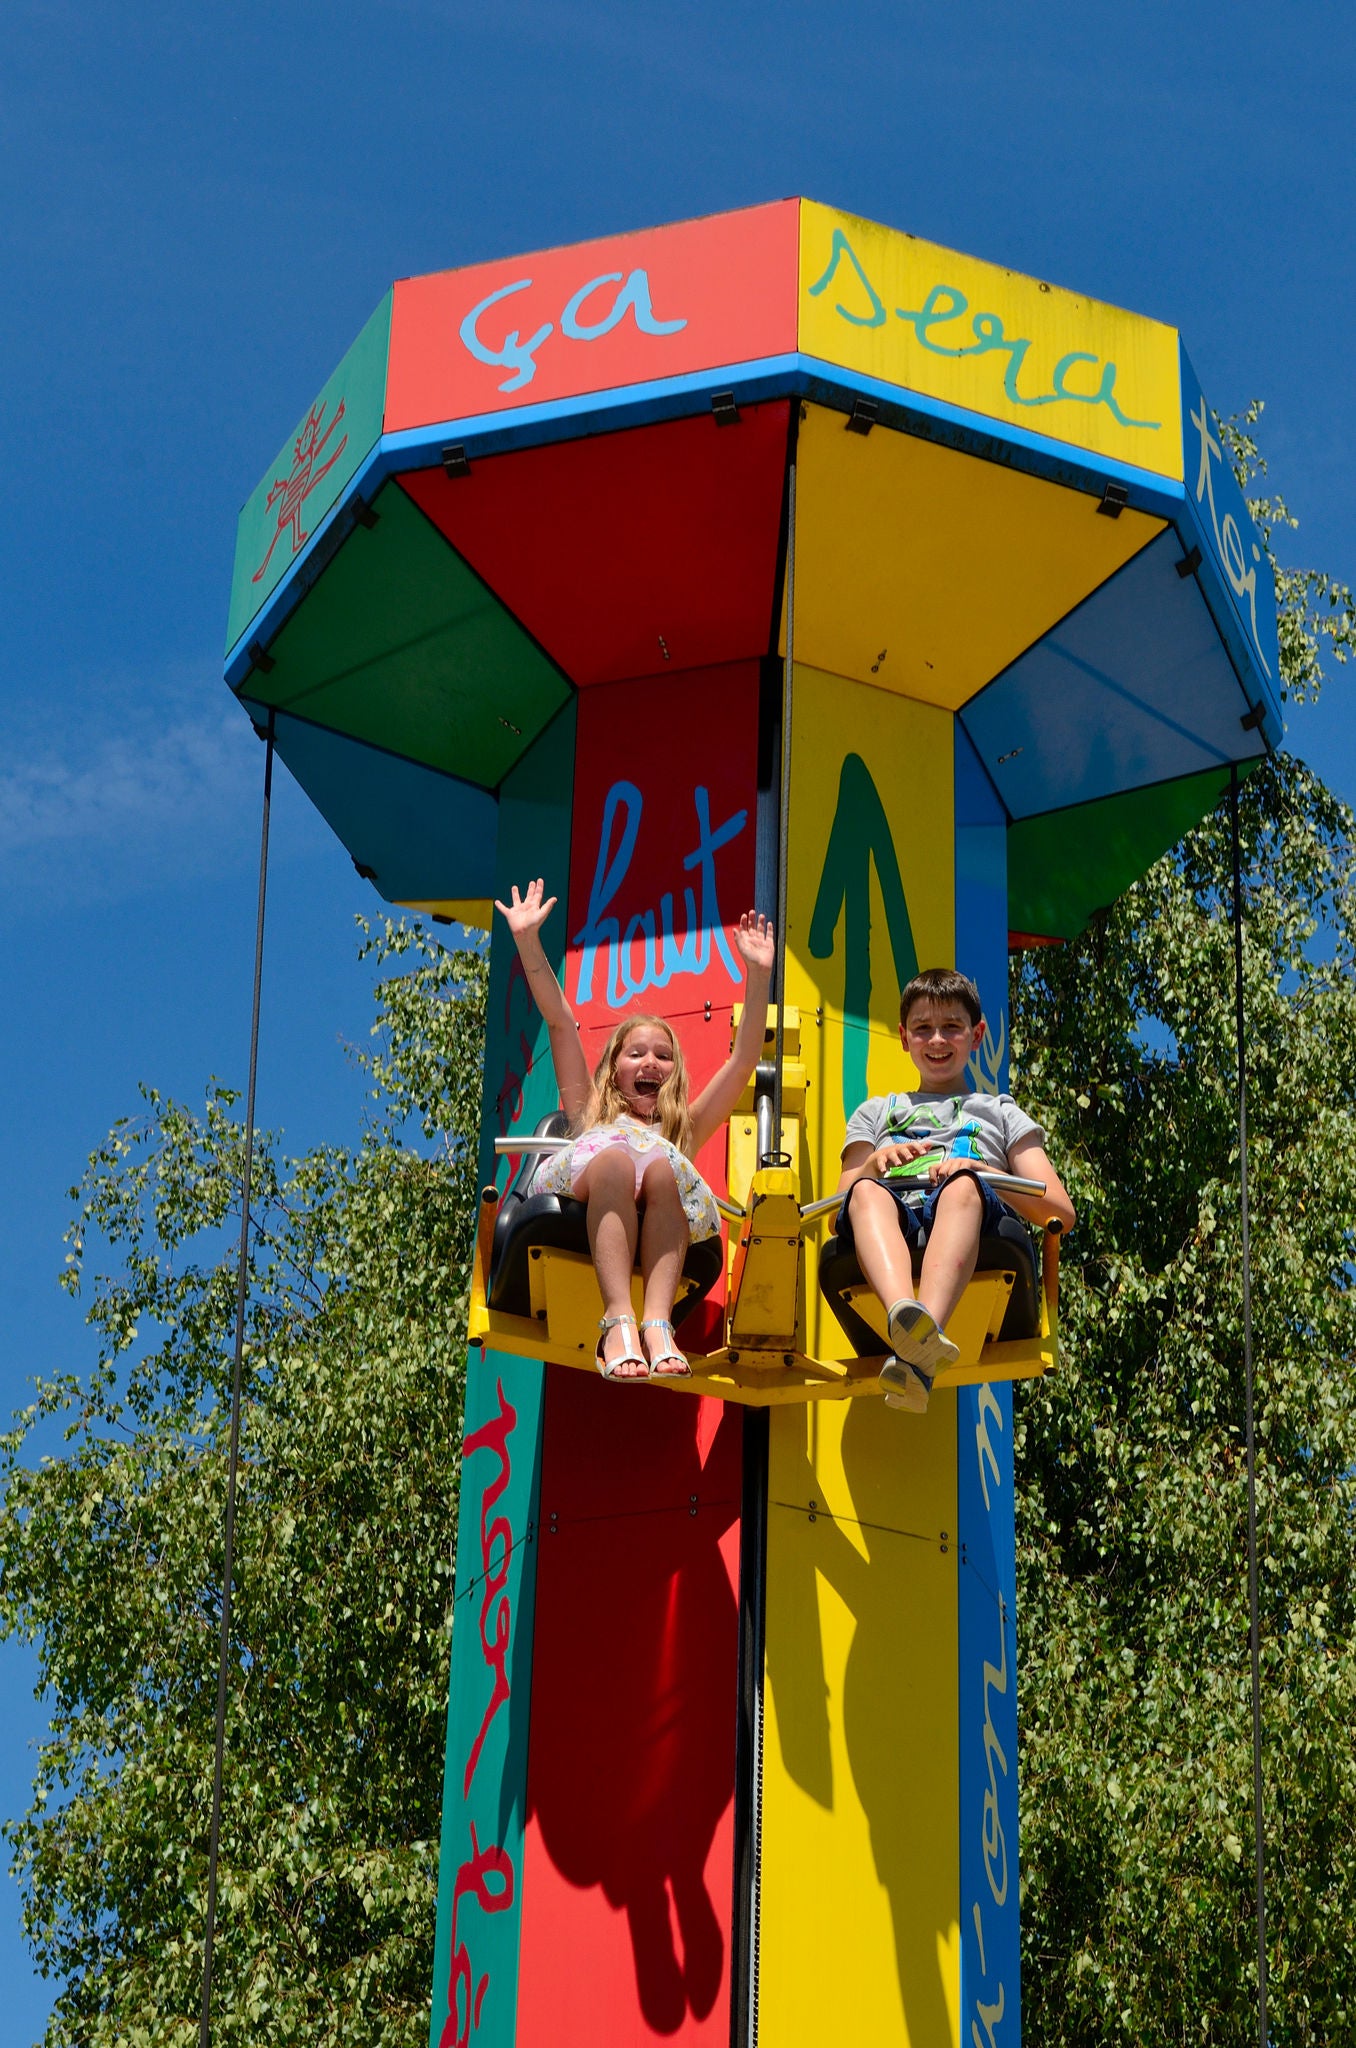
402,645
475,1975
310,472
1064,865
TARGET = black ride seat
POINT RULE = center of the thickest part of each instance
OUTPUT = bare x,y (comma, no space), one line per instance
1010,1248
529,1222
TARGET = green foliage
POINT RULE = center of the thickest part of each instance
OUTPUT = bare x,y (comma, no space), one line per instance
111,1555
1135,1709
1316,614
1136,1759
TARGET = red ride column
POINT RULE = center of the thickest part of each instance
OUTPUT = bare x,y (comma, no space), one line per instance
629,1852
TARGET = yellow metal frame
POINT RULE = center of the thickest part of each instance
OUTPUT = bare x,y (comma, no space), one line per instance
762,1362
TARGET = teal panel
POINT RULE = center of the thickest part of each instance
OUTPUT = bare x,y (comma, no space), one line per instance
402,645
1067,864
475,1971
418,836
310,472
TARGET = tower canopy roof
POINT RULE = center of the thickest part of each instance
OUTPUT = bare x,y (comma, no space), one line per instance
535,475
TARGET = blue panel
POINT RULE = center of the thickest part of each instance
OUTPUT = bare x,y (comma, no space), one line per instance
1229,541
987,1649
427,837
1133,687
986,1590
982,904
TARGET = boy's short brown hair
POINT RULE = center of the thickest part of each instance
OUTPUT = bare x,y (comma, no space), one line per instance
941,985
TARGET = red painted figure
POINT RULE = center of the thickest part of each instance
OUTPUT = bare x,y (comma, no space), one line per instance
294,490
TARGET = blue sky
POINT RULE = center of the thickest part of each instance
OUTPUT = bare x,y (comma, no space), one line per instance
200,208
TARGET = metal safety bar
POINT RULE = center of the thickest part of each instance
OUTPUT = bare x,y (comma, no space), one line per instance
1004,1183
505,1146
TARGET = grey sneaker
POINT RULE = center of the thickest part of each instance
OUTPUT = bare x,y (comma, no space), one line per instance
920,1349
905,1386
917,1341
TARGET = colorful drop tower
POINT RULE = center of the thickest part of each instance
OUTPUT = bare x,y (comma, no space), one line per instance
732,1741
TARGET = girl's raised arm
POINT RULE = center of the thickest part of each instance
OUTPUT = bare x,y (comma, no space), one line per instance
757,945
525,917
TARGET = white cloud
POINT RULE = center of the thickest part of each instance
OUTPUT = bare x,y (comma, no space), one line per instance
141,782
165,781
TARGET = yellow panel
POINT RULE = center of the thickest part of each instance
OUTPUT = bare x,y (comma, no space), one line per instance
926,571
475,914
860,1742
871,785
975,335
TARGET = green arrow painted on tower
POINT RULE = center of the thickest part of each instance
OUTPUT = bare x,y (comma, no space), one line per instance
860,835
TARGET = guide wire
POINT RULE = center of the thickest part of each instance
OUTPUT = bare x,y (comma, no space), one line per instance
233,1457
1254,1630
784,818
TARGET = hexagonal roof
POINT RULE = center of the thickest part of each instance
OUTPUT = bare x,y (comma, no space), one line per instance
534,475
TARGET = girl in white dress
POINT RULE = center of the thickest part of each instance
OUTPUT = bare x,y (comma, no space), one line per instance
636,1137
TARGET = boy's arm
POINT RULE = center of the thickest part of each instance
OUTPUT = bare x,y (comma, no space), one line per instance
1028,1157
863,1161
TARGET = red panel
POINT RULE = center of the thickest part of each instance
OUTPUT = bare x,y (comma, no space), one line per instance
630,554
629,1852
661,866
627,310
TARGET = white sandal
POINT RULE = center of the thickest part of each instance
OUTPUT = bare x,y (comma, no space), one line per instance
610,1367
671,1357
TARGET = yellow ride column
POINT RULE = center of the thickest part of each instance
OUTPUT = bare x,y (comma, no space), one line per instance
860,1777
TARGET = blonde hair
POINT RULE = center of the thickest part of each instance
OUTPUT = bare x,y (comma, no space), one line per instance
606,1101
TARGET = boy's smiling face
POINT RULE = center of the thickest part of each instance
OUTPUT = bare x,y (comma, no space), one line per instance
939,1038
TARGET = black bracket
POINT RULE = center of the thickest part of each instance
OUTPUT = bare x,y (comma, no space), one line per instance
865,412
724,407
456,461
1115,498
1251,721
368,874
261,660
1189,564
364,514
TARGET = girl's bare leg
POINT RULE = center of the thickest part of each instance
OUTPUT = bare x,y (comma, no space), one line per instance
608,1184
663,1239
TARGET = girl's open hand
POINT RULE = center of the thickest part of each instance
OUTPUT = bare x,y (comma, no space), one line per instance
527,913
756,941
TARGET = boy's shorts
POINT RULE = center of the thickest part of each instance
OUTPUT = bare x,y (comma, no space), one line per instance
915,1217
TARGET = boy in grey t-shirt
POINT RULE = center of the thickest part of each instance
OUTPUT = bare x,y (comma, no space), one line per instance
951,1130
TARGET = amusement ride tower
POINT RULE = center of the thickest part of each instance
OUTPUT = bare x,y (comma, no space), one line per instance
776,558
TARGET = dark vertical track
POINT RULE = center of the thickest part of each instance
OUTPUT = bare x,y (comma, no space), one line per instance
233,1459
774,776
749,1735
784,818
1254,1629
